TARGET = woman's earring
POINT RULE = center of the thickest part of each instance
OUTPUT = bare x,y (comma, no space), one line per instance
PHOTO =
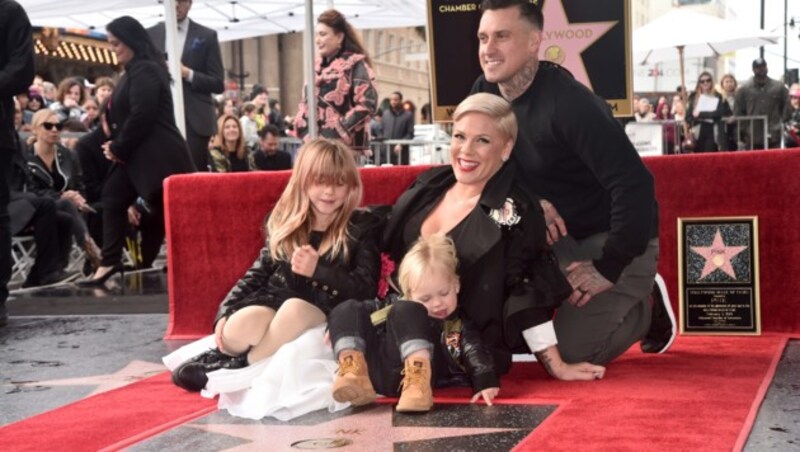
504,159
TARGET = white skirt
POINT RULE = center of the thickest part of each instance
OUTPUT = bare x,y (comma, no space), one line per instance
294,381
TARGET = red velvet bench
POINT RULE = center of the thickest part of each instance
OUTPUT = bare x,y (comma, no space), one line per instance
215,225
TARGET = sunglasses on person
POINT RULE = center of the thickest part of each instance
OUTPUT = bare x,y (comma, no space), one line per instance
705,80
53,125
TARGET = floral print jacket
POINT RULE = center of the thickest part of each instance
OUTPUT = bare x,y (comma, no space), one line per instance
346,99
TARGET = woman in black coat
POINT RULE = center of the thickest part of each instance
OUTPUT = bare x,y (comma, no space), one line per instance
146,146
705,112
510,282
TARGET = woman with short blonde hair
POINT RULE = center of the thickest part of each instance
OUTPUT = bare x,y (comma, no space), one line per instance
56,172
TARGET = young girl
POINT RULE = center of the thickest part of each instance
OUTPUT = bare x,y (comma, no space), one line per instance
319,252
414,336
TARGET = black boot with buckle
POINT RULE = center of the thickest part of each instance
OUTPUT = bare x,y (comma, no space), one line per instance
192,375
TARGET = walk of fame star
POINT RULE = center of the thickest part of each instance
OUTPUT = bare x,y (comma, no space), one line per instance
134,371
573,39
718,256
448,427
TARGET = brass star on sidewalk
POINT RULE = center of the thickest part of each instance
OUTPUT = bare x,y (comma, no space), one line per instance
134,371
371,429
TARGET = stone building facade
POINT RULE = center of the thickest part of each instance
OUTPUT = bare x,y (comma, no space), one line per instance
399,57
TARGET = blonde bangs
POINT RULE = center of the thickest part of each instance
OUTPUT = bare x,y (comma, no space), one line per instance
320,161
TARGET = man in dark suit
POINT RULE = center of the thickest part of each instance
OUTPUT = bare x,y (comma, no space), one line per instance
202,74
16,73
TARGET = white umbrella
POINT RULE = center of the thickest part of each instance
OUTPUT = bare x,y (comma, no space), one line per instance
231,19
682,33
700,35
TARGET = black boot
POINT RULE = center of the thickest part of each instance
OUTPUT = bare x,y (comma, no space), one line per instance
191,375
663,328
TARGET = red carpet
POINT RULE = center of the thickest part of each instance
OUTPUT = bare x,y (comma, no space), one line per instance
702,395
115,418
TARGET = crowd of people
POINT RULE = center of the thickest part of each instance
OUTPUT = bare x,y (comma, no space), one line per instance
708,120
538,218
541,236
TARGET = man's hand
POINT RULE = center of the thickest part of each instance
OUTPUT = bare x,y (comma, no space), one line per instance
397,149
586,282
185,71
487,395
304,260
556,228
557,368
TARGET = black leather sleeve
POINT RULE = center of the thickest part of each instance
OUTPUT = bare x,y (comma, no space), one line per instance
359,279
251,284
477,360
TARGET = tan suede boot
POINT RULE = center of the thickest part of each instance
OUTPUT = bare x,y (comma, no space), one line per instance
416,393
352,382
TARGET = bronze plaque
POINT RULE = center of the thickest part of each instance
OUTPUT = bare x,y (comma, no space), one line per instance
718,275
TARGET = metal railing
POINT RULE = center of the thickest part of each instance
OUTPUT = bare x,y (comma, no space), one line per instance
420,152
750,125
666,137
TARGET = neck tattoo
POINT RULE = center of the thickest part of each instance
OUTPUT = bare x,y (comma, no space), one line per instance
519,82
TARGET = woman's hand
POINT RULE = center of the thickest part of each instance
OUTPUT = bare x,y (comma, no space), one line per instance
218,333
71,196
107,152
304,261
586,282
556,228
487,395
78,200
134,216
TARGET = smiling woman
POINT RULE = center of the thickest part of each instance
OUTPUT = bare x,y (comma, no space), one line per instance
509,279
228,153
